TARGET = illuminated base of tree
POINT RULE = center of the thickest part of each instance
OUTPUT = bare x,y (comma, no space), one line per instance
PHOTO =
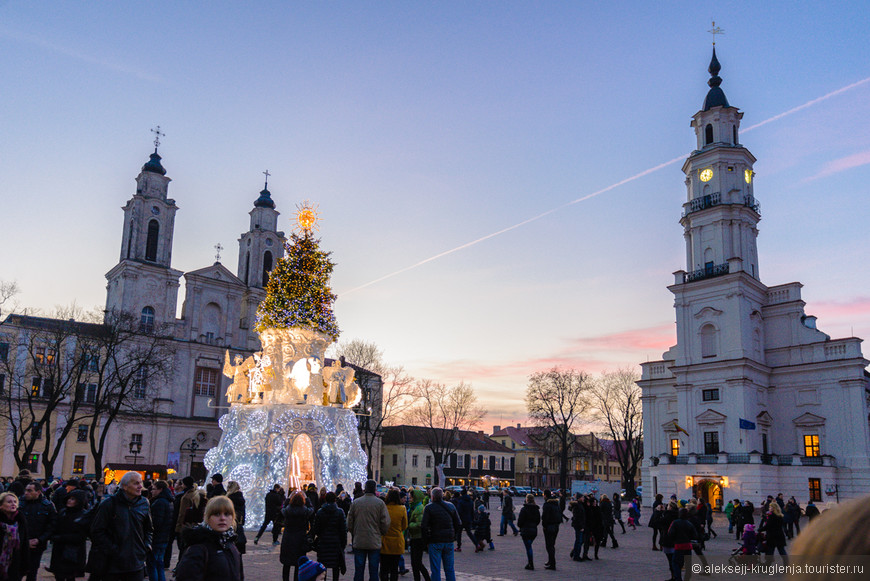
290,445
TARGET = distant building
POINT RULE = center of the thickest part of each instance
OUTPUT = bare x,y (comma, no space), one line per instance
407,459
753,399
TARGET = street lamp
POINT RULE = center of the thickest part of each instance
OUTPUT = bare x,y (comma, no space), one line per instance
191,449
135,450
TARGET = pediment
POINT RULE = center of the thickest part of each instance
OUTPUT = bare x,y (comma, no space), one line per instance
707,312
764,419
710,417
217,271
807,420
671,426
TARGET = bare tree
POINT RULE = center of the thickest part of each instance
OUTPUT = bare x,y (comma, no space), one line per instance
618,407
445,412
133,362
558,400
384,403
45,366
8,290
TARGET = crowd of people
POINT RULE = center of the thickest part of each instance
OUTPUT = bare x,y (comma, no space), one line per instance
134,526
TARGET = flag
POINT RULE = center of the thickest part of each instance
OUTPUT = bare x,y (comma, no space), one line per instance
679,429
746,424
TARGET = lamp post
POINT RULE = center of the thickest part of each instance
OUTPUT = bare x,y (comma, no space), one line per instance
135,450
191,450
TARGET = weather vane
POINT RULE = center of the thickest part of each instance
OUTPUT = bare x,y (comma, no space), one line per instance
218,248
306,217
157,136
267,174
714,31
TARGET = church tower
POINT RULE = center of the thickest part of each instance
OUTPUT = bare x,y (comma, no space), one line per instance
259,250
143,282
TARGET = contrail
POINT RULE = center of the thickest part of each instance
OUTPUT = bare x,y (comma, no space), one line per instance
637,176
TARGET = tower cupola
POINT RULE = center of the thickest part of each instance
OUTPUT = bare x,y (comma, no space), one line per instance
153,165
715,96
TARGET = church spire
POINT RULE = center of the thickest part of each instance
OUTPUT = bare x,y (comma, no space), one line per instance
716,96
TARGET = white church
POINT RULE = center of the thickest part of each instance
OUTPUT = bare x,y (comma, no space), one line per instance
753,399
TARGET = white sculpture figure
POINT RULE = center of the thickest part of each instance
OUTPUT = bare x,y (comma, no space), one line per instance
238,390
272,341
339,379
306,379
261,375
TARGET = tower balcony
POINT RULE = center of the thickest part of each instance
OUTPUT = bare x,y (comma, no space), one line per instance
709,271
702,203
750,202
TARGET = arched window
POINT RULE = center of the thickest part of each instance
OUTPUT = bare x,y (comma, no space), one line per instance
130,239
708,341
734,133
146,321
211,322
247,266
267,267
151,243
708,134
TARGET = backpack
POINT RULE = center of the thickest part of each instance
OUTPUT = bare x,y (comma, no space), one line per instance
195,513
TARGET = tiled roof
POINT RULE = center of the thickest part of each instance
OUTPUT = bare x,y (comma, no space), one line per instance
419,436
522,436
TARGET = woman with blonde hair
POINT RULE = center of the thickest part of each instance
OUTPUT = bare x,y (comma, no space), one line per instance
210,551
773,526
14,547
234,493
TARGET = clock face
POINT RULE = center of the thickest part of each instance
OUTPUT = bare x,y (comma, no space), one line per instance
747,175
706,175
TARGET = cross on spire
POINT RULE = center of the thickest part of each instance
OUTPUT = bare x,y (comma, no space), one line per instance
714,31
157,136
267,174
218,248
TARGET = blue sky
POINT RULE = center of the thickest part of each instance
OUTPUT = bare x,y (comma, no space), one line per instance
420,127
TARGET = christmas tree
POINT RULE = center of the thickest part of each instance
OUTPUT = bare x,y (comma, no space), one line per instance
298,293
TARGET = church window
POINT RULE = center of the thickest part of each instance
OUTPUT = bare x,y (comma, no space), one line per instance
708,341
146,321
765,448
4,351
267,267
734,134
811,445
130,240
710,394
247,265
711,442
151,242
205,382
815,489
708,134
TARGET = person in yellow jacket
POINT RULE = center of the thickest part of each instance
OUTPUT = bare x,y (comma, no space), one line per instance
393,543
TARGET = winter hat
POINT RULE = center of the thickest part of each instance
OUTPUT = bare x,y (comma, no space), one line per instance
187,481
308,570
219,478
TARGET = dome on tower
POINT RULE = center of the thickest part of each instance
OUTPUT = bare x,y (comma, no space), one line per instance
265,200
154,165
715,96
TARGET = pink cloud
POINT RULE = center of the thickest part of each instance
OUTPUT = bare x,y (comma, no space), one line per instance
856,307
842,164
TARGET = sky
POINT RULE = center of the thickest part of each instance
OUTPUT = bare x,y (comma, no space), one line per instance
444,144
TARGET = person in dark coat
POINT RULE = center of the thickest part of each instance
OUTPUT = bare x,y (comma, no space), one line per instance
617,511
578,523
357,490
14,548
273,502
234,493
774,529
667,515
482,525
40,514
682,533
528,521
551,518
161,519
215,487
122,530
594,528
606,510
330,532
68,538
297,522
465,508
507,514
312,496
210,552
792,517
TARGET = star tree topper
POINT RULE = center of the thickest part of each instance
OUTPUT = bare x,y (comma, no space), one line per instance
306,218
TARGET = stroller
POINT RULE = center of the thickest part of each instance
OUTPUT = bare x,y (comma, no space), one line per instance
753,544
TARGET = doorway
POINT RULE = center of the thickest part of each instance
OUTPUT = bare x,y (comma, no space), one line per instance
710,491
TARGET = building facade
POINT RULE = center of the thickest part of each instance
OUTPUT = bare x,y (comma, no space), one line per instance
407,459
753,399
217,315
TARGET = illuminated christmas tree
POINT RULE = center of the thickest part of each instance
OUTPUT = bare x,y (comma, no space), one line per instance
298,293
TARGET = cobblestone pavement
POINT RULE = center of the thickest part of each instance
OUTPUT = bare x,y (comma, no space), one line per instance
634,559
